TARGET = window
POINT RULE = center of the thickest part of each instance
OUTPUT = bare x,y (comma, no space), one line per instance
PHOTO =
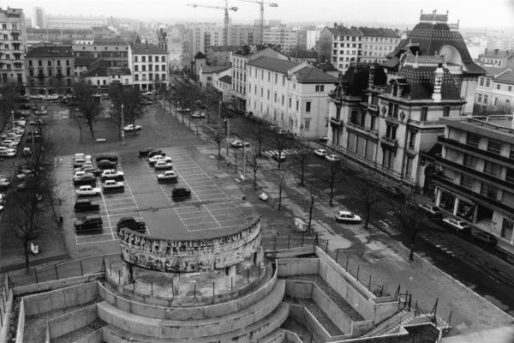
136,68
510,175
289,102
494,147
149,58
507,229
467,181
486,97
143,58
282,100
157,68
487,82
391,132
412,139
470,161
307,124
268,94
297,104
320,88
498,86
135,58
143,68
489,191
479,99
510,88
275,97
163,58
492,169
446,111
308,107
424,113
136,77
473,140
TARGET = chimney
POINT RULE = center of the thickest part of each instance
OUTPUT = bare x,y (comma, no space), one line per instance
438,81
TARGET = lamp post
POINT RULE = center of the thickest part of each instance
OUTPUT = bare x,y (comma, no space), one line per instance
228,133
219,109
122,125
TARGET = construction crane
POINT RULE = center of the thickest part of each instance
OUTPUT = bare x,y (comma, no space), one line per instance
226,9
262,3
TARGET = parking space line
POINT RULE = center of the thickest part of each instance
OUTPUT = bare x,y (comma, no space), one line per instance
107,213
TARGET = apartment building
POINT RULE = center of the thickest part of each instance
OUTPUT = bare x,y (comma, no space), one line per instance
12,46
239,60
497,58
495,91
72,22
148,64
477,180
312,37
113,52
343,45
49,69
292,95
55,36
285,36
101,76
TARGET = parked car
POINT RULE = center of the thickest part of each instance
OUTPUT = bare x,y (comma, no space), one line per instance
278,157
348,217
87,190
144,152
431,211
8,153
156,152
107,157
167,176
239,144
111,174
113,186
198,115
396,192
79,158
132,127
323,139
333,158
180,193
158,158
282,132
82,178
458,225
163,165
4,182
86,205
485,237
320,152
183,109
92,170
131,223
106,164
88,224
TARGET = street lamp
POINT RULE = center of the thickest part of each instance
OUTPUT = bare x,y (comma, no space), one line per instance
227,119
122,125
219,109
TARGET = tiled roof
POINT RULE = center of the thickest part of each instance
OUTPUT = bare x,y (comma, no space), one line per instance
226,79
325,66
345,31
356,78
214,69
147,49
492,71
310,74
50,51
507,77
273,64
379,32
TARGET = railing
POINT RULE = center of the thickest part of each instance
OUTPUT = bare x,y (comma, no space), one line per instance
336,122
390,141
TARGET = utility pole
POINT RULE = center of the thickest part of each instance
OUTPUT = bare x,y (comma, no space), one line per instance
122,125
228,134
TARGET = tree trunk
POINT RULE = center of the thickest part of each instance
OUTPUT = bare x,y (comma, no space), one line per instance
255,175
302,174
91,130
219,150
368,213
412,246
26,252
311,207
279,196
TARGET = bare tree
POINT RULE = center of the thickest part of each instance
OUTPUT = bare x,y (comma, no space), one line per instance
281,142
218,136
252,158
331,176
411,221
7,100
301,158
89,107
259,133
369,193
281,175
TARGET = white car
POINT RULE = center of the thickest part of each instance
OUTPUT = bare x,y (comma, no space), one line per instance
347,217
167,176
198,115
333,158
131,127
111,173
458,225
9,143
8,153
239,144
79,158
113,185
163,165
80,173
320,152
159,158
87,191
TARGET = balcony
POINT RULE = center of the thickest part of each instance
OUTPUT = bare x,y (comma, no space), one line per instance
373,107
334,122
483,154
362,129
390,142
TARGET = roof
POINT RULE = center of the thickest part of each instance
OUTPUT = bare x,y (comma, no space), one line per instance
378,32
147,49
496,53
58,31
341,30
226,79
310,74
50,50
273,64
103,70
355,80
214,69
493,71
84,61
200,55
325,66
248,50
507,77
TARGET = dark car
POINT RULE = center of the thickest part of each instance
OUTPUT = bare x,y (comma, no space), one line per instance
180,193
106,157
88,179
95,171
86,205
396,192
485,238
106,164
88,224
144,152
131,223
155,152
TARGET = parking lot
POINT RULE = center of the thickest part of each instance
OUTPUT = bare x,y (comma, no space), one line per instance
212,209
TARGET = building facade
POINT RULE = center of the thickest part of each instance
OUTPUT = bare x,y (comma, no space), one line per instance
113,52
39,17
477,180
292,95
73,22
497,58
285,36
495,91
12,46
55,36
377,43
312,37
239,60
149,66
49,69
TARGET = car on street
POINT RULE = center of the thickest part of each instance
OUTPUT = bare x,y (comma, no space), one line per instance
278,157
9,153
183,109
167,176
112,174
87,190
4,182
106,164
88,224
333,158
163,165
83,179
396,192
432,211
132,127
198,115
79,157
348,217
282,132
456,224
158,158
144,152
92,170
485,238
320,152
113,186
131,223
180,193
86,205
323,139
239,144
155,152
108,157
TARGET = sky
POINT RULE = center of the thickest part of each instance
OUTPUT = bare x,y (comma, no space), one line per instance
495,14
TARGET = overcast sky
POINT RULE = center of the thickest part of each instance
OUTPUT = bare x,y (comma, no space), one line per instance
471,13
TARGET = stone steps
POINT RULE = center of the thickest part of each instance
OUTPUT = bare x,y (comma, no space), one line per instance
391,324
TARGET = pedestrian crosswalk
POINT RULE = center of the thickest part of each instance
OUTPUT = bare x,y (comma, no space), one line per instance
285,152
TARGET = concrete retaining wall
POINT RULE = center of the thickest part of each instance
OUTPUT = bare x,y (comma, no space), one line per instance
294,338
60,298
277,336
298,266
305,317
299,289
187,313
94,337
6,313
20,330
72,321
56,284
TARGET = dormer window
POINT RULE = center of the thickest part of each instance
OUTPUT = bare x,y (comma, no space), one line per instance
395,89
